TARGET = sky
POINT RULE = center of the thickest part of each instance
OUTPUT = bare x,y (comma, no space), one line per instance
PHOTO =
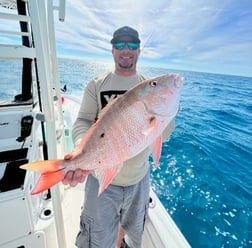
202,35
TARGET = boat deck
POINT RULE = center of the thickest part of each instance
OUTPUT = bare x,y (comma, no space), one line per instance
160,230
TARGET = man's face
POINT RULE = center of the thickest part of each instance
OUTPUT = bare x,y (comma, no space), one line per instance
126,56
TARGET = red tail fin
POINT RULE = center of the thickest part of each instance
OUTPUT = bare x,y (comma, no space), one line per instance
52,173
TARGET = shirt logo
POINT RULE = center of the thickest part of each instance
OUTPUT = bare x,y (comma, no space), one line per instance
107,96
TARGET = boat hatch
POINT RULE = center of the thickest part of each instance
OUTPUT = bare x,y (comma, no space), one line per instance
16,124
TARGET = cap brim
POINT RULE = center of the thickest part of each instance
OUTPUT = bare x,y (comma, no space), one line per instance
120,39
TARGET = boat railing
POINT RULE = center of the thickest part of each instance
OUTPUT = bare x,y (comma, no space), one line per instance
41,36
36,42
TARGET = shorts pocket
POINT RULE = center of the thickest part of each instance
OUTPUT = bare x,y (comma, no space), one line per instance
83,238
145,214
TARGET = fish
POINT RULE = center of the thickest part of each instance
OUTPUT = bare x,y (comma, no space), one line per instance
125,127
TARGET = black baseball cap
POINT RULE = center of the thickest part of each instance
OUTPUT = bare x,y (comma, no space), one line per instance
125,31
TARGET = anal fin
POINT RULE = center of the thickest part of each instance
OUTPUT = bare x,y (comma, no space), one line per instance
105,176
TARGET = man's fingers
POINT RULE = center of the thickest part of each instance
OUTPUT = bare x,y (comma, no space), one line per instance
68,177
79,176
74,177
68,156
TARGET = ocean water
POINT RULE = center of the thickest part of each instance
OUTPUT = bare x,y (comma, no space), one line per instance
204,178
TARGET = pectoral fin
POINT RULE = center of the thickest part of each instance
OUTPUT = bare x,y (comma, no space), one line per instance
151,126
156,149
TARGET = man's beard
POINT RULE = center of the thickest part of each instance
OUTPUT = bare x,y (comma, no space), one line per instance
129,66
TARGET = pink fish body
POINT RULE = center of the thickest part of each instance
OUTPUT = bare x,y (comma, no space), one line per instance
125,127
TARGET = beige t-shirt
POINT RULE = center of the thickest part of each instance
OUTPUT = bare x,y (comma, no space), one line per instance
97,94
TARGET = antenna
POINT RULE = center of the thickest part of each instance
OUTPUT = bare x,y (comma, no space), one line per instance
147,40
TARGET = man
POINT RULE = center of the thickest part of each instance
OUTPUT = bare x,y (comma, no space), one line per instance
126,199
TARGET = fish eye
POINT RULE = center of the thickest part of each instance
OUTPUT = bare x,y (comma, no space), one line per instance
153,83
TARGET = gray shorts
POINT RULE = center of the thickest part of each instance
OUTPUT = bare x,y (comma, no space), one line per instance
117,204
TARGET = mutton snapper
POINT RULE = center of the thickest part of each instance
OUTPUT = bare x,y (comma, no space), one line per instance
125,127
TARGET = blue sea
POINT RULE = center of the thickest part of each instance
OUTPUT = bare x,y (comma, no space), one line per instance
204,178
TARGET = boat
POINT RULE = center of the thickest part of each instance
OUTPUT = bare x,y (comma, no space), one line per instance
35,124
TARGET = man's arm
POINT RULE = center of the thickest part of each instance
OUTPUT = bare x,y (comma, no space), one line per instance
87,113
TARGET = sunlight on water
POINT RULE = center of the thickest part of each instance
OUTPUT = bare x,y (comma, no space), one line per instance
11,82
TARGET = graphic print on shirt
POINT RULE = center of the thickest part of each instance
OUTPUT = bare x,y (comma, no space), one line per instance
107,96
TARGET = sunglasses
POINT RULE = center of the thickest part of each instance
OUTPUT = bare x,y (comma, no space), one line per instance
121,45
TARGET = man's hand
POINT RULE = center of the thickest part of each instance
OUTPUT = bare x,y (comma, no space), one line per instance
73,177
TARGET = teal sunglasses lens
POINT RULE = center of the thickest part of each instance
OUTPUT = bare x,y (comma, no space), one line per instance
133,46
121,45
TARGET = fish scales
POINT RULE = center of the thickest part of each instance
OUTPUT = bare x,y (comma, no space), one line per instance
121,129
